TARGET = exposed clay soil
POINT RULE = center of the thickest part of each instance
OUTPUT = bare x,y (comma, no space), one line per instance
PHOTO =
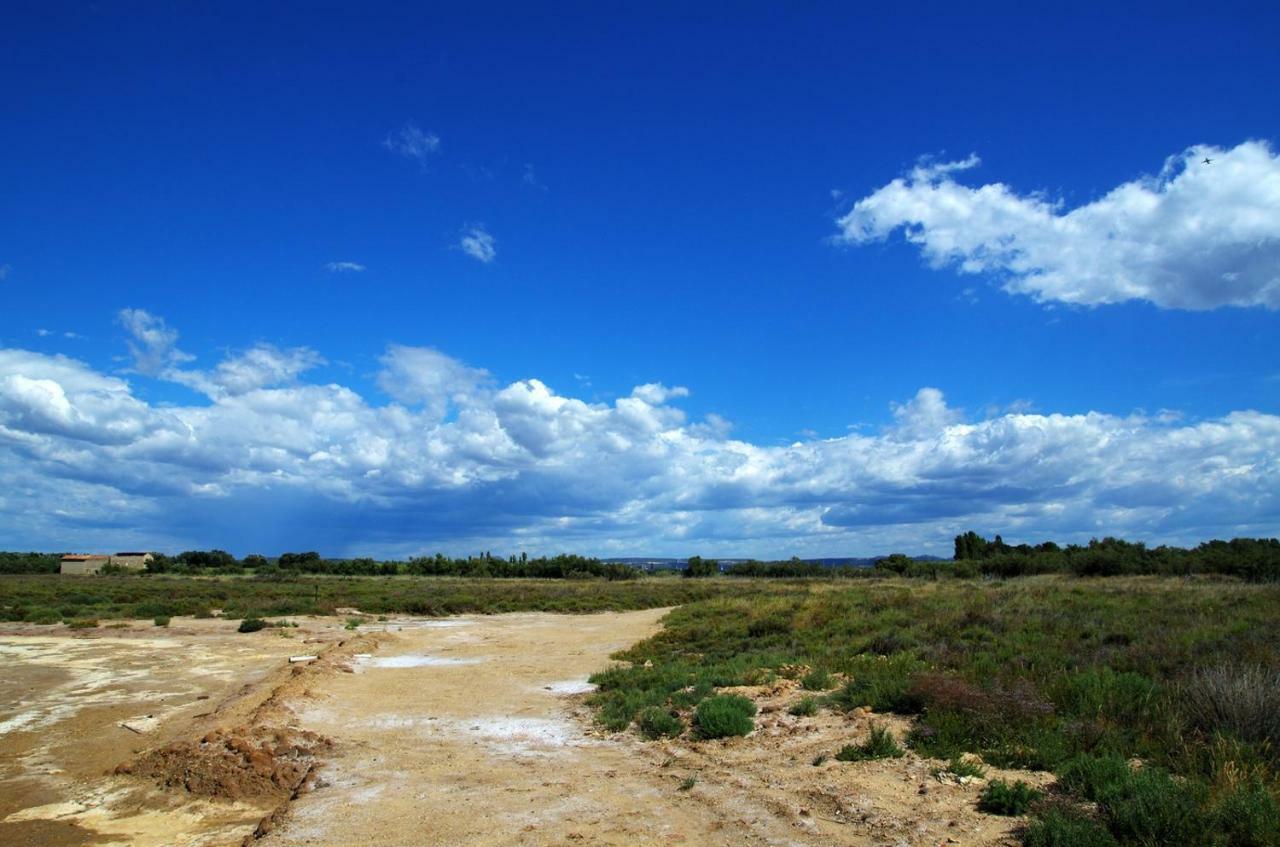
472,731
80,710
458,731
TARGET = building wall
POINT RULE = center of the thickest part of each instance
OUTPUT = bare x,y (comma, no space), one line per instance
83,567
135,563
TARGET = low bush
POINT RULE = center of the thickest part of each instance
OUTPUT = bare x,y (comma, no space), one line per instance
1004,798
959,768
657,722
1243,701
252,625
880,744
161,620
805,707
1153,808
1096,778
1060,828
818,680
83,623
1247,816
724,715
882,684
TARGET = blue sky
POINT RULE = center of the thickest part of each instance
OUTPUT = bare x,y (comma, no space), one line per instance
386,279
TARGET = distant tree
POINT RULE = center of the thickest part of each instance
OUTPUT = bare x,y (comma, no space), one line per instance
699,567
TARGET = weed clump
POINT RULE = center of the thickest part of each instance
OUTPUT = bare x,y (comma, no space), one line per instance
880,744
161,620
1242,701
960,768
805,707
1061,828
818,680
723,716
1003,798
83,623
252,625
656,722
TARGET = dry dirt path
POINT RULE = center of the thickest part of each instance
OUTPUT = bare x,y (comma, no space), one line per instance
470,731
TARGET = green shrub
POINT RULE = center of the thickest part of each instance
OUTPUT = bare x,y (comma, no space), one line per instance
818,680
724,715
882,684
1243,701
354,623
252,625
1153,808
161,620
880,744
1096,778
1059,828
657,722
1003,798
1247,816
83,623
805,707
959,767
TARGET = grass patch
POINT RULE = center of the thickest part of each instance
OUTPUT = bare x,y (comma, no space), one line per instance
880,744
1062,828
252,625
724,715
960,768
805,707
1007,798
657,722
818,679
83,623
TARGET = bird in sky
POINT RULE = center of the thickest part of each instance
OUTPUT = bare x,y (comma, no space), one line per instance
1208,161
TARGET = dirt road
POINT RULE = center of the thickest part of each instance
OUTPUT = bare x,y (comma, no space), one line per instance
471,731
463,732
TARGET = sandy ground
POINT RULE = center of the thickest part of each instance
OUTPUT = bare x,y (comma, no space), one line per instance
457,731
471,731
76,704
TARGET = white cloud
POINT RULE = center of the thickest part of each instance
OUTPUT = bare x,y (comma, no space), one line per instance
1195,236
413,143
258,367
477,243
271,461
344,267
4,272
153,344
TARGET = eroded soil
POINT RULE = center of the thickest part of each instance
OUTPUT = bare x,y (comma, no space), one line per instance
471,731
458,731
76,707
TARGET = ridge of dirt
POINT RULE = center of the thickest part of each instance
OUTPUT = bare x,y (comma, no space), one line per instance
261,759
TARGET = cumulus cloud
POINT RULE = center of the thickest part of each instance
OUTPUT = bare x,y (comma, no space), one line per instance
1194,236
258,367
477,243
455,457
413,143
344,267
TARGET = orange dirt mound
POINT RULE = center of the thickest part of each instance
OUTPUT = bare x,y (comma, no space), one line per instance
235,765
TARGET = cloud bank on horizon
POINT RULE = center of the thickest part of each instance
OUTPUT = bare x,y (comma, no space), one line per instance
1194,236
452,460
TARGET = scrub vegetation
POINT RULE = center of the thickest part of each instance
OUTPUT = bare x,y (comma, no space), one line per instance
1152,699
